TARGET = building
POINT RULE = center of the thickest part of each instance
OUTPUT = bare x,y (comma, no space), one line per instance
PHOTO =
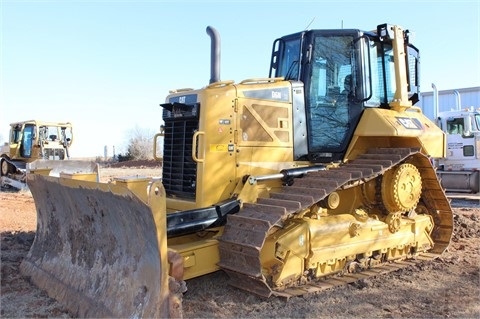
449,100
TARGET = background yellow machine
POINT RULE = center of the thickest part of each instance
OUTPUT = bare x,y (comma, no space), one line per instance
41,146
320,170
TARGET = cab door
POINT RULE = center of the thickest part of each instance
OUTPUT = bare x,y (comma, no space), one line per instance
27,141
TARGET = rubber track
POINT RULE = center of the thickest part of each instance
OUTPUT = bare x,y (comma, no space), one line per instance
245,232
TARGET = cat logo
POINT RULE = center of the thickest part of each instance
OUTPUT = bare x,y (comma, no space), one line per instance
276,95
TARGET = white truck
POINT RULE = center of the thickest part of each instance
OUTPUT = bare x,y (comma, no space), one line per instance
459,171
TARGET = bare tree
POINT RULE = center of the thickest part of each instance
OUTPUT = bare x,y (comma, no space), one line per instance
140,145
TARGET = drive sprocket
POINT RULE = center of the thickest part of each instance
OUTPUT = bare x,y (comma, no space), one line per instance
401,188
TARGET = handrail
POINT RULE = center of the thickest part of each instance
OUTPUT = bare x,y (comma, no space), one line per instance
262,80
220,83
194,147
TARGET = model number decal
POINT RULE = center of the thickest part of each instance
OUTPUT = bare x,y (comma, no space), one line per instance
277,94
410,123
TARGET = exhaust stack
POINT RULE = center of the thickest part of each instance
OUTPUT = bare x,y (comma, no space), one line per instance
436,109
214,55
458,99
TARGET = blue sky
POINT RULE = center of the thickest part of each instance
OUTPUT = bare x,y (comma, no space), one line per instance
106,66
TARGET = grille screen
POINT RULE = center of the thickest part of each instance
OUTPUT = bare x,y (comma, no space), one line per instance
179,169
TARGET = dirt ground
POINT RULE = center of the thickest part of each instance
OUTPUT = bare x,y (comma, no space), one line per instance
448,287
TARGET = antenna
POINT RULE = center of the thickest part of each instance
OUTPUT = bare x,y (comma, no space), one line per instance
310,23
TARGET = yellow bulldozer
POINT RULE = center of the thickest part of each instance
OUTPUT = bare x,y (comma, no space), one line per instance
40,146
318,175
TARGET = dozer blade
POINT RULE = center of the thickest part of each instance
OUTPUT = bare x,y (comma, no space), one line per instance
63,166
97,249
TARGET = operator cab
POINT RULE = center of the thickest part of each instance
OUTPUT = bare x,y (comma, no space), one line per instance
343,72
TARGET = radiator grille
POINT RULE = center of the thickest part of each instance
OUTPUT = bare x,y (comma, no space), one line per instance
179,169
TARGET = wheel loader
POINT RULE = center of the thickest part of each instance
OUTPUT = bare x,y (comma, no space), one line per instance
316,176
40,146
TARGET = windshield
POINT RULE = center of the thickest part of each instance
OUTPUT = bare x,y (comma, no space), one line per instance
28,135
382,84
16,134
329,91
477,122
380,74
289,66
